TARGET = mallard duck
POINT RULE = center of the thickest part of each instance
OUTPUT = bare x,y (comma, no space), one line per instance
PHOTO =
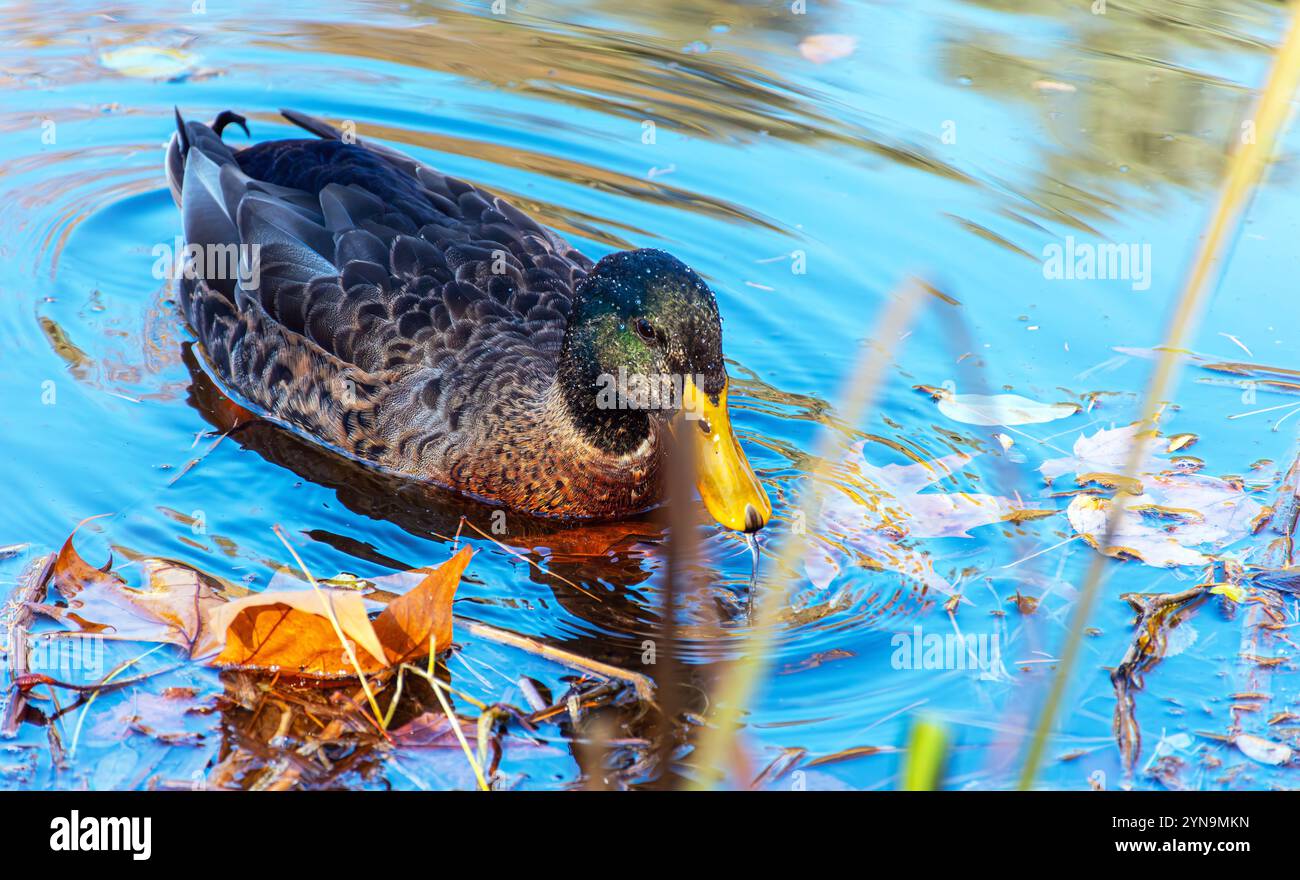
426,327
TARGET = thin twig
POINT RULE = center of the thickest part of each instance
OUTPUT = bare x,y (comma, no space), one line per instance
643,686
31,591
522,558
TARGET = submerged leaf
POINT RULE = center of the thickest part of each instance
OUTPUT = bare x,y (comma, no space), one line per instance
433,730
1171,519
1104,452
879,506
161,716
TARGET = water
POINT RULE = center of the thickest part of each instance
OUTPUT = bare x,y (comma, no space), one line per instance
956,141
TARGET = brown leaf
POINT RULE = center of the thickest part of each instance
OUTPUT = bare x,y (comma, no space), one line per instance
170,608
1024,604
288,630
410,622
291,631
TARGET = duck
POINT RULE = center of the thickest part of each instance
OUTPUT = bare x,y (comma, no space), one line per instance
422,325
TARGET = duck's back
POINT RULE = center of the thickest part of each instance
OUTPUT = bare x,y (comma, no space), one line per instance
393,312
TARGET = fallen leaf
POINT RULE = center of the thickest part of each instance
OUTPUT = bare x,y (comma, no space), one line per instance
877,507
291,630
1264,751
821,48
1024,604
1105,452
409,623
1167,524
149,62
1235,592
998,409
169,608
1171,517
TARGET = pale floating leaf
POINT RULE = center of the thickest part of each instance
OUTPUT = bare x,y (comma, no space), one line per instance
1106,451
1168,524
1001,409
1265,751
821,48
149,62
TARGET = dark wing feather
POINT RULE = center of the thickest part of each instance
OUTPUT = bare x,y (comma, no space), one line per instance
390,300
437,242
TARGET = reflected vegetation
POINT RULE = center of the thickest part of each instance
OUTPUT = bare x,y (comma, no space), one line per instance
1129,109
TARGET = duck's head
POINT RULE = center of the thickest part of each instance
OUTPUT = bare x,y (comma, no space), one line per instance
644,344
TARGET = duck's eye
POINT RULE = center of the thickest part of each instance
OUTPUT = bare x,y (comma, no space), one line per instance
644,329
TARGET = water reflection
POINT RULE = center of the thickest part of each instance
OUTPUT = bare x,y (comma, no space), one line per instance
1129,107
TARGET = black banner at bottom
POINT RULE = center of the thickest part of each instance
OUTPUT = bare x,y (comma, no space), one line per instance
311,829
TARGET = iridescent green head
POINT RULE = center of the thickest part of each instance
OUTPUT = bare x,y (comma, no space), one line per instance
644,342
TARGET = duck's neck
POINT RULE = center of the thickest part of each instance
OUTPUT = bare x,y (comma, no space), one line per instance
590,407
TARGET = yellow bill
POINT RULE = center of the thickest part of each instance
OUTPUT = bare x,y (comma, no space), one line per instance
731,492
